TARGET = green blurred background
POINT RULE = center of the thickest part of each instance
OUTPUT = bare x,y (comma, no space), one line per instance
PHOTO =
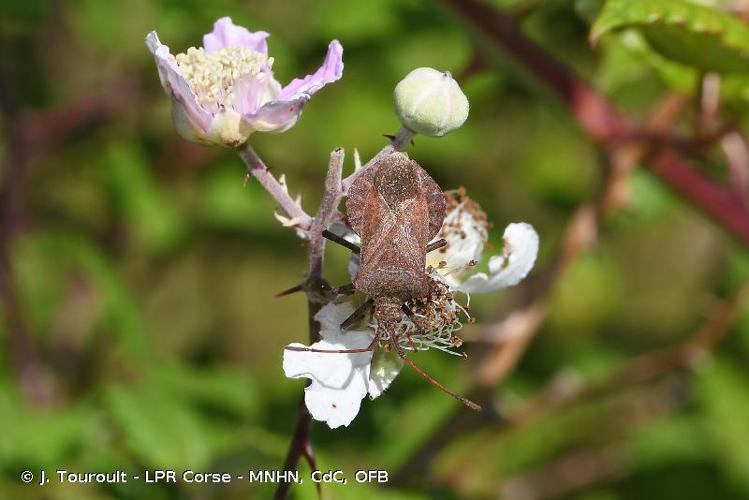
140,328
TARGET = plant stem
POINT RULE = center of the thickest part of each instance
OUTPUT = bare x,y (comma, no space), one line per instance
318,291
259,171
597,116
317,288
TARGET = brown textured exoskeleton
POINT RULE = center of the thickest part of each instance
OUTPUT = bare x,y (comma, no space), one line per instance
396,208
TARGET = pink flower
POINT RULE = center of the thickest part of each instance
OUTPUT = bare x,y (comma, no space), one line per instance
224,91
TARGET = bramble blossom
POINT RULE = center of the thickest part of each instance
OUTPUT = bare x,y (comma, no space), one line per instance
341,381
466,230
225,90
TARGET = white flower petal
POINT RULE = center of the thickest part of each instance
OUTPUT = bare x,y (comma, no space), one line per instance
332,315
465,232
516,261
385,367
339,380
336,408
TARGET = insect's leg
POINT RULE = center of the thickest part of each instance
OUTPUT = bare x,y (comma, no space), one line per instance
416,320
470,404
344,289
411,315
341,241
357,315
436,244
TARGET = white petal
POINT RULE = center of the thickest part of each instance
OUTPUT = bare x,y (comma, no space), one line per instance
336,408
332,315
385,367
516,261
339,380
465,237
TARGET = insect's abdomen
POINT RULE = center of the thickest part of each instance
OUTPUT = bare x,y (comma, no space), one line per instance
398,282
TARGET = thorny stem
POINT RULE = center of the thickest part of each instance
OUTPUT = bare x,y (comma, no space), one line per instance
317,288
259,171
328,206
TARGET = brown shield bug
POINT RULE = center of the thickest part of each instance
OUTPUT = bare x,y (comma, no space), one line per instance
396,208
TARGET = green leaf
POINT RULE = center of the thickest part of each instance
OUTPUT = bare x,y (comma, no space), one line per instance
222,389
35,439
152,216
679,77
705,38
162,431
44,262
724,394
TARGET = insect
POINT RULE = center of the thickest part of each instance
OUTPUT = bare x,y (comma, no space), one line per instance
397,209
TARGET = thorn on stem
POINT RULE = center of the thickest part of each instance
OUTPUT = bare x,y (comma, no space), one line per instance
293,289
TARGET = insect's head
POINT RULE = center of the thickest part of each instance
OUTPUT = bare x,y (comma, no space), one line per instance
397,180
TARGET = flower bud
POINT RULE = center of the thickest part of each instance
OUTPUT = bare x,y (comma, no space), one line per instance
430,102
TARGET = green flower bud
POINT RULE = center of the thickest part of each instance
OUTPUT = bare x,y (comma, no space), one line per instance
430,102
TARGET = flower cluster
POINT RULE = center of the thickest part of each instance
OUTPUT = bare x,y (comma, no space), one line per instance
340,381
225,90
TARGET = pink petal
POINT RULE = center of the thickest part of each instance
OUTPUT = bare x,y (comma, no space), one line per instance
177,87
227,34
250,92
330,71
277,116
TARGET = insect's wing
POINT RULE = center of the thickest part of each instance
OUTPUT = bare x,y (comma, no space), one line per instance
436,204
360,196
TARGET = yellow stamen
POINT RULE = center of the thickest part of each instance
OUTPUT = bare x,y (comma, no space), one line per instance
212,76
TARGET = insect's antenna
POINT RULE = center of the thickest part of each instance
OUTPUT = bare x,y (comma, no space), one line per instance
369,348
470,404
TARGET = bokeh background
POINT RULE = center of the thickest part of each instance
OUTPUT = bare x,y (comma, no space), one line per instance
139,328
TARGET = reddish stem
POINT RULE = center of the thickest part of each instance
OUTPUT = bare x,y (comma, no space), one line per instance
598,117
